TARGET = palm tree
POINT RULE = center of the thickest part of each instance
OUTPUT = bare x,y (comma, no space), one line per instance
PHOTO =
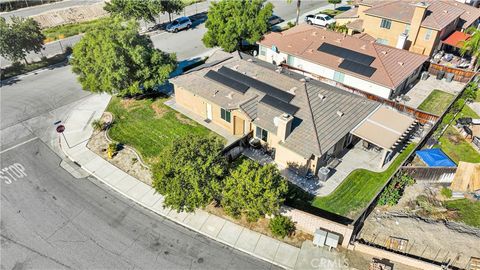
298,10
472,46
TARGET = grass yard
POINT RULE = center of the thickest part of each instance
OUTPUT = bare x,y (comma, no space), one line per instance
148,125
455,145
355,192
71,29
437,102
468,212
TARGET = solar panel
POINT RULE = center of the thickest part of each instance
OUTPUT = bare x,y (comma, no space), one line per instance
357,68
235,85
279,104
346,54
254,83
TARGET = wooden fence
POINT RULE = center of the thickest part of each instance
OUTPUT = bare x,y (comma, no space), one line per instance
434,174
460,75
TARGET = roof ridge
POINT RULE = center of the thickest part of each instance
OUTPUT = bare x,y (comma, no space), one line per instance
313,119
383,66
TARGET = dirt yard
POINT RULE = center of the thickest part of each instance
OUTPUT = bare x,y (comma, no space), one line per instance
427,233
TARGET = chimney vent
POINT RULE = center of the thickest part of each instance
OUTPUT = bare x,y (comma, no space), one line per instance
292,90
401,63
340,113
230,95
321,97
363,47
314,33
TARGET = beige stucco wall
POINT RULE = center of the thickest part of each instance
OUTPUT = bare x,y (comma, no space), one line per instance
371,26
380,253
198,105
343,21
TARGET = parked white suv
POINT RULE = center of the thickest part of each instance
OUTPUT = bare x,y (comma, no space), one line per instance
320,20
179,24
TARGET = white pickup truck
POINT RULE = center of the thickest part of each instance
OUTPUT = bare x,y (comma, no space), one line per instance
320,20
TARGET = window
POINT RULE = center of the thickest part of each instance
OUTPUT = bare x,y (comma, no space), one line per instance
386,24
428,34
382,41
263,51
339,77
261,134
225,115
407,29
290,60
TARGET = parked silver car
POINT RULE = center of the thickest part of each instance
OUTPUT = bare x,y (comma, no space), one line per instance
179,24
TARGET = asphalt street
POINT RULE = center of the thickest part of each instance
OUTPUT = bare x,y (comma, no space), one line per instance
52,220
188,43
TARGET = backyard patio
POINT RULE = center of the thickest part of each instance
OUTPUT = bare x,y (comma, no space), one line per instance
423,88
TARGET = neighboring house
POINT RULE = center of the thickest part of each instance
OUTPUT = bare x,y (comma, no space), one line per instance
343,60
306,122
417,26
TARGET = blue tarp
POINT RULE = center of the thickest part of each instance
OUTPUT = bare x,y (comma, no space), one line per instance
435,158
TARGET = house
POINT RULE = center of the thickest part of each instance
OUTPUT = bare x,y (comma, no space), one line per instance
417,26
343,60
306,122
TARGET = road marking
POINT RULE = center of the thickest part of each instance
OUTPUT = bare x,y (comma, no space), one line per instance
20,144
14,171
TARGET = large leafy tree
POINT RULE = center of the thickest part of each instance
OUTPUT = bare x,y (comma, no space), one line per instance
19,37
472,46
232,21
134,9
253,190
171,7
115,59
190,172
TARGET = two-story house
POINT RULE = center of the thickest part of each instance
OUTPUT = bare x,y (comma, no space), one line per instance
343,60
417,26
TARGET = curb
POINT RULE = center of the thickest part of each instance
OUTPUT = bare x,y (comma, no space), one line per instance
19,76
166,216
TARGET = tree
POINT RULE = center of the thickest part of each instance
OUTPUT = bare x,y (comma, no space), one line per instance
134,9
253,190
281,226
334,2
230,22
115,59
472,46
19,37
190,172
172,6
298,10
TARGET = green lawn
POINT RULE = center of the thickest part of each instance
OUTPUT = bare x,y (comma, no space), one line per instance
455,145
468,211
437,102
149,125
355,192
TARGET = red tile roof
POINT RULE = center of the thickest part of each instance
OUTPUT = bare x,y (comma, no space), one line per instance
456,39
392,65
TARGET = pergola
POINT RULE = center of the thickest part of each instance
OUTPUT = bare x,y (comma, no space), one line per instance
387,129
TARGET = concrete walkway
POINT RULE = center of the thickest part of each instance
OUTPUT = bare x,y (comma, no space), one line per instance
74,141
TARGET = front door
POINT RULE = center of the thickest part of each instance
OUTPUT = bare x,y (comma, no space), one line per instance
238,126
209,111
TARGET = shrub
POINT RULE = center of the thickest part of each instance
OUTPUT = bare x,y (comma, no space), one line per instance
290,24
394,191
97,125
446,192
470,92
112,149
281,226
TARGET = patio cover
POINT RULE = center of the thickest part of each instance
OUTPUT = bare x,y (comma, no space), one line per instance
435,158
384,127
467,177
456,39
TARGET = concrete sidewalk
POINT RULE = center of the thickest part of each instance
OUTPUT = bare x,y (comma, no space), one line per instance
74,141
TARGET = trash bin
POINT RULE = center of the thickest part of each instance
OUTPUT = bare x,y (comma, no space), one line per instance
323,174
449,77
440,74
425,75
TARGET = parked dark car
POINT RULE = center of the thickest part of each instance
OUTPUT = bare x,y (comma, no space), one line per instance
274,19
